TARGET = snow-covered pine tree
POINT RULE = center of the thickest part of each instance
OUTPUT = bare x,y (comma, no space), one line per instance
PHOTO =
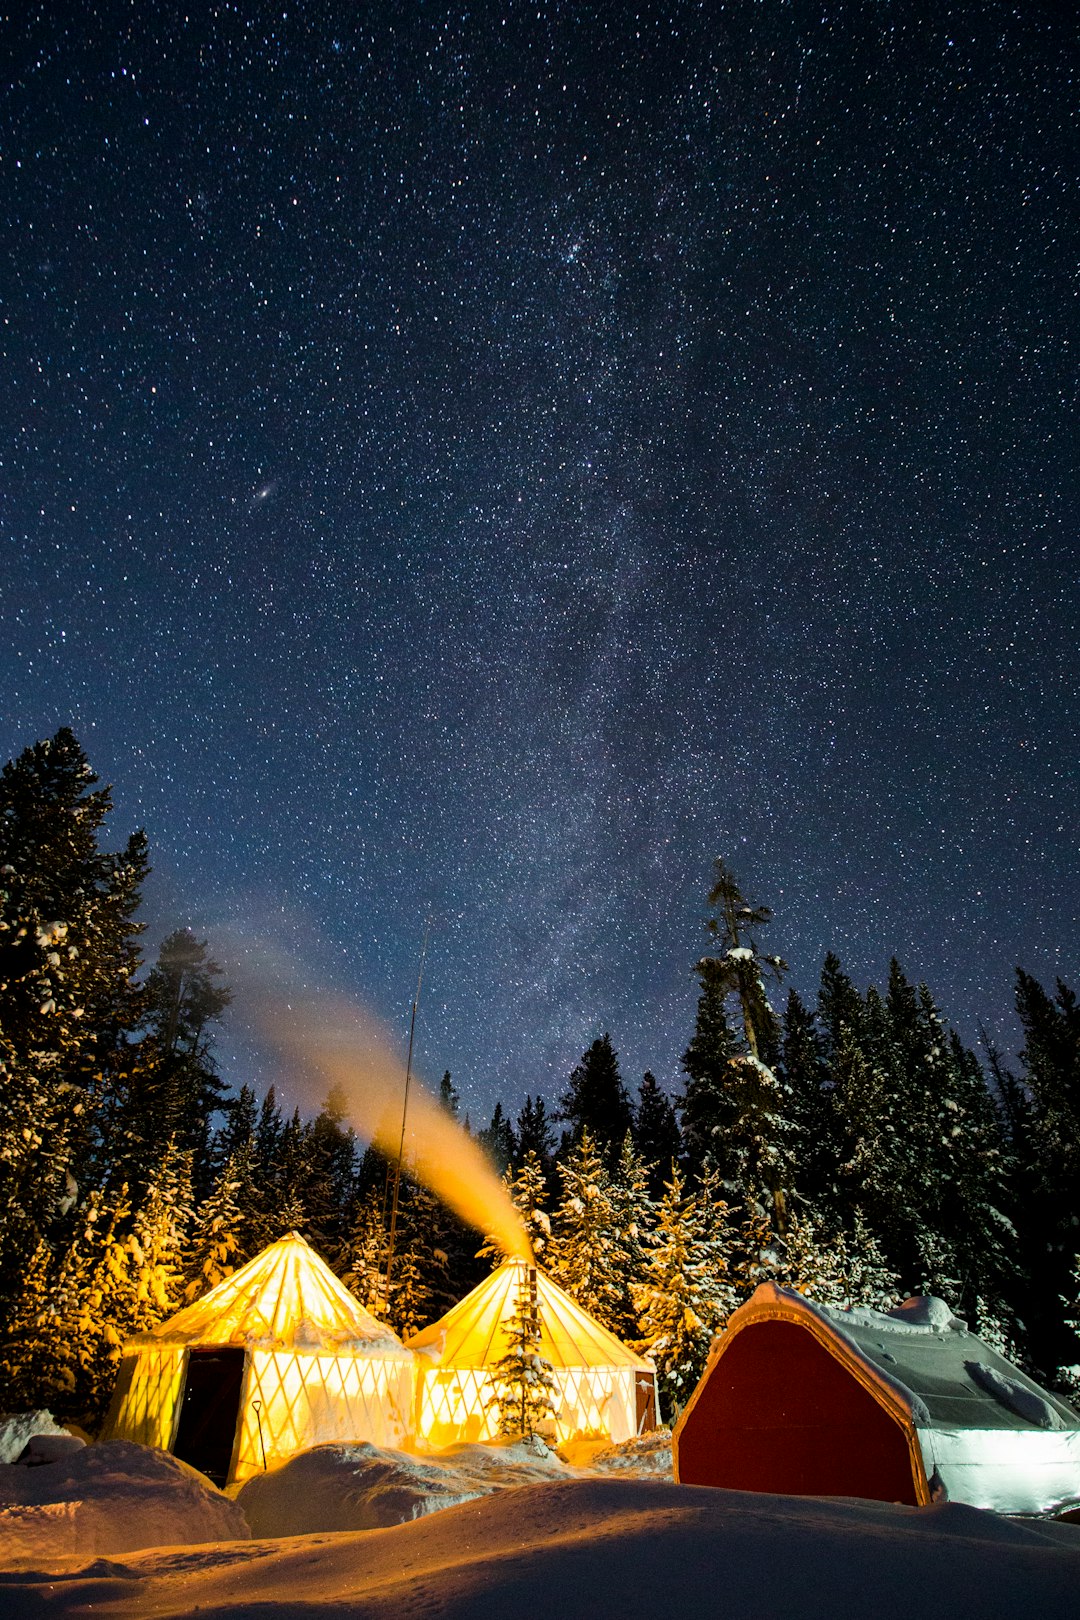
632,1209
1067,1376
825,1266
706,1106
420,1263
214,1248
119,1275
186,996
583,1252
157,1242
32,1362
684,1296
524,1392
325,1175
362,1261
68,1004
596,1101
883,1172
815,1141
410,1294
528,1194
73,1357
288,1215
1050,1074
839,1007
656,1133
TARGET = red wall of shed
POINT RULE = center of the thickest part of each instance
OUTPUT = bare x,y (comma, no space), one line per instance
779,1413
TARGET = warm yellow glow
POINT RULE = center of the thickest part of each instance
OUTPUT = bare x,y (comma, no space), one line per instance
286,1298
319,1367
595,1373
329,1042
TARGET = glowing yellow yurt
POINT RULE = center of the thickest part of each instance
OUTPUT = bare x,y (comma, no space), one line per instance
604,1389
277,1358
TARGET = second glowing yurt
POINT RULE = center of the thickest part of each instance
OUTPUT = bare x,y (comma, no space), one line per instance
277,1358
604,1389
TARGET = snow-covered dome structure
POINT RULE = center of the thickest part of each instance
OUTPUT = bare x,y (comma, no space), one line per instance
277,1358
801,1399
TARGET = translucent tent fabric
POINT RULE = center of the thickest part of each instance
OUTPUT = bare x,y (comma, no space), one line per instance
317,1366
286,1298
599,1380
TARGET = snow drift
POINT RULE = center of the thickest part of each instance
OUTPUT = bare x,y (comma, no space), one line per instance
361,1487
601,1549
106,1499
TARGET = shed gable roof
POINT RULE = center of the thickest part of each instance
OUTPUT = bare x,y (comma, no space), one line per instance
945,1375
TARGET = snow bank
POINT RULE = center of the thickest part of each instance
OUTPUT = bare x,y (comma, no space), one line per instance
646,1456
109,1498
364,1487
602,1549
18,1428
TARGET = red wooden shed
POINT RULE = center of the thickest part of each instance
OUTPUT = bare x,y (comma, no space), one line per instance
801,1399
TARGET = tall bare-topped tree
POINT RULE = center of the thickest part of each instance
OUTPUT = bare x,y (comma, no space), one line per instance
733,1107
741,969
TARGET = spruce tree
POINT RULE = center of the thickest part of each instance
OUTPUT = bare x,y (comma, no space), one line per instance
815,1138
528,1191
69,1005
632,1208
524,1391
325,1173
826,1266
583,1254
362,1261
498,1141
1050,1060
684,1296
215,1246
656,1133
706,1106
186,997
749,1133
534,1136
448,1095
597,1102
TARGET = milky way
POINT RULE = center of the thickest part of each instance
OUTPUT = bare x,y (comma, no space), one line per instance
486,463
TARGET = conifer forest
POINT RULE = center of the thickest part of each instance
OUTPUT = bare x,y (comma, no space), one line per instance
852,1147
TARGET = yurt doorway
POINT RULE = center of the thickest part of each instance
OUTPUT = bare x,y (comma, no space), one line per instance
645,1393
207,1424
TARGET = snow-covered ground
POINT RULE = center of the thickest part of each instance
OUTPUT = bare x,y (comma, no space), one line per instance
599,1548
361,1487
105,1499
528,1535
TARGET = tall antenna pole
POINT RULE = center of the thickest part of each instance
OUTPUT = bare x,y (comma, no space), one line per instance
404,1112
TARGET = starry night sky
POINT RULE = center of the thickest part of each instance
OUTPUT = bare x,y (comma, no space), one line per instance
489,461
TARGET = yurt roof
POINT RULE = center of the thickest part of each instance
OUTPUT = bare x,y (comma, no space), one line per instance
471,1334
286,1298
942,1373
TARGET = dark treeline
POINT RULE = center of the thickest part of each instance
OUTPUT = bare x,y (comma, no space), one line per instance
855,1148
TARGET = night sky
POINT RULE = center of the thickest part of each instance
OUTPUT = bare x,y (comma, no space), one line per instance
486,462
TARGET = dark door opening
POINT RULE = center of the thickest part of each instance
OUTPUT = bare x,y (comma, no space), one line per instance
645,1390
209,1410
